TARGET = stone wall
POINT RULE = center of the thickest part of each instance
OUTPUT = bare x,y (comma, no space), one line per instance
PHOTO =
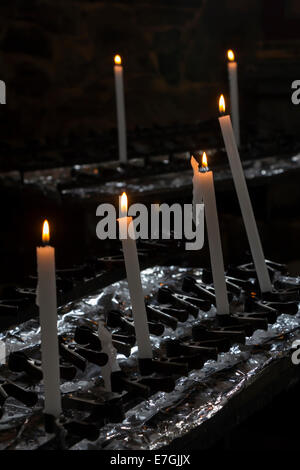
56,59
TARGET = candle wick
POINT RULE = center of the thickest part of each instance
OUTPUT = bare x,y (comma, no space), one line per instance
203,169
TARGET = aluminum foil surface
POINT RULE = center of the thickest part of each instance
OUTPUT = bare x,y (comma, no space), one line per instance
155,422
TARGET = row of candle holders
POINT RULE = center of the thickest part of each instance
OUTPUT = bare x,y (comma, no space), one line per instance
250,311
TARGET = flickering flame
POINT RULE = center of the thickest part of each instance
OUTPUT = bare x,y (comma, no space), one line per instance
222,104
124,203
230,55
204,160
46,232
117,59
194,163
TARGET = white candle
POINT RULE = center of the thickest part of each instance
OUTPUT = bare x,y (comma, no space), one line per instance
118,71
134,282
234,95
48,322
108,348
204,190
244,200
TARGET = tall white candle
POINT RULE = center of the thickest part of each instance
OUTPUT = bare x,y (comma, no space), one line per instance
234,95
48,322
244,200
204,190
126,229
119,86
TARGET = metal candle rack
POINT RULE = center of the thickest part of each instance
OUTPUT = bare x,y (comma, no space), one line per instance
172,307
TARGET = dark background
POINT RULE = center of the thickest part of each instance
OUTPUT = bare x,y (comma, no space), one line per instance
56,58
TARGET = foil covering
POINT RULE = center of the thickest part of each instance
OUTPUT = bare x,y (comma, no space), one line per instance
261,168
154,422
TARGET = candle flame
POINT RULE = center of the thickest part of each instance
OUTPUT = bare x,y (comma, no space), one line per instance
204,160
222,104
117,59
194,163
46,232
230,55
124,203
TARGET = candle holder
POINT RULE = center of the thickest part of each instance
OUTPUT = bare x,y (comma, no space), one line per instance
150,366
176,348
20,362
68,353
189,284
246,322
90,339
256,307
192,305
101,405
153,313
115,320
180,314
221,344
9,389
200,333
62,428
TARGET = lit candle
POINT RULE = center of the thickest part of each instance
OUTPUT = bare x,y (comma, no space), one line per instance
234,95
48,322
244,199
127,236
204,190
118,70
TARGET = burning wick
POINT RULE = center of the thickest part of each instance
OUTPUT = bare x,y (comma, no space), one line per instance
46,233
204,166
117,59
230,55
123,205
222,105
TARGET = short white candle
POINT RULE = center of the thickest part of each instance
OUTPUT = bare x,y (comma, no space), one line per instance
107,348
204,191
126,229
119,86
244,199
48,322
234,95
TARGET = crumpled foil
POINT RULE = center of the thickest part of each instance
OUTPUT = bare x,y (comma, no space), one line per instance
266,167
260,168
164,416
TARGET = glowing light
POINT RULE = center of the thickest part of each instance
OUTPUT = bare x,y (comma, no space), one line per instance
124,203
222,104
230,55
46,232
117,59
204,160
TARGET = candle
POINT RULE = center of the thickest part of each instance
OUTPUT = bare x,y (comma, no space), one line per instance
204,190
48,322
118,71
127,236
107,348
234,95
244,199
